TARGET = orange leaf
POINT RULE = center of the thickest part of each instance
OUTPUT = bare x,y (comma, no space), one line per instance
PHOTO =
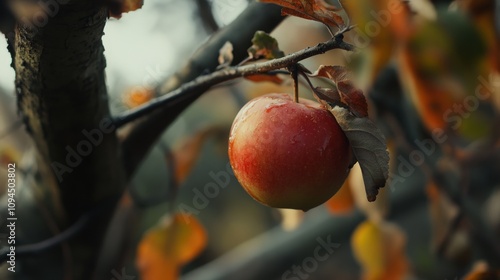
439,76
137,96
164,249
431,101
117,7
317,10
343,201
188,150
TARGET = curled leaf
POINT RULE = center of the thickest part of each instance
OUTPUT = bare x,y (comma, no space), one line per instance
330,95
349,95
264,46
369,148
317,10
367,141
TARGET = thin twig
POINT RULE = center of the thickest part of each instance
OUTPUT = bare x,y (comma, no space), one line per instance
209,80
450,231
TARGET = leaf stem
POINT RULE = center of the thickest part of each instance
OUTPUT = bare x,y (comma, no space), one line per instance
307,80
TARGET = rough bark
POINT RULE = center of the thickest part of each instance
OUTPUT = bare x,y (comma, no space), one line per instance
61,93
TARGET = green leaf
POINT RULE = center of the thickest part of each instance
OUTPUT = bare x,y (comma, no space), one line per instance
264,46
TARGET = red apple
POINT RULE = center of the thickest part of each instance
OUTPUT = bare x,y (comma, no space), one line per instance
287,154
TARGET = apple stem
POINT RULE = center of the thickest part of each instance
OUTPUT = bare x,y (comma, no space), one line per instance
295,75
296,88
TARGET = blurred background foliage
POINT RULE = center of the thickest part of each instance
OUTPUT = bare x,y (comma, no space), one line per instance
420,69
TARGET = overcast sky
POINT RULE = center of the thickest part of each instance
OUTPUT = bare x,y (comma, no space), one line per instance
145,46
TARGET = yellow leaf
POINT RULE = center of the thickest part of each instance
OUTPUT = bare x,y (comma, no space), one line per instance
368,247
380,249
167,247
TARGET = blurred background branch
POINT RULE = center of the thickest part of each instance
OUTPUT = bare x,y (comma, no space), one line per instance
138,137
206,16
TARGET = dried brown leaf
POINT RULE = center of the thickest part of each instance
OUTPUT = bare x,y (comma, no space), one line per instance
318,10
350,96
117,7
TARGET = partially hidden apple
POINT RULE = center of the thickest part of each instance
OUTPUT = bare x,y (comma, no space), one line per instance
287,154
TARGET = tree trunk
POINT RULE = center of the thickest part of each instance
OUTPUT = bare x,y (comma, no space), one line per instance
62,98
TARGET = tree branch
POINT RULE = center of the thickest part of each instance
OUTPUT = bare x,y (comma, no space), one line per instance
138,137
206,81
206,16
282,249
